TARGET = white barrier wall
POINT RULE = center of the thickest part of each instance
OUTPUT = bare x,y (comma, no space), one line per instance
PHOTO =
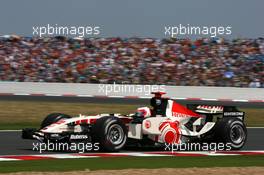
143,91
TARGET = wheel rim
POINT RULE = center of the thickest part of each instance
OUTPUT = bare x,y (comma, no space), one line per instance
115,134
237,134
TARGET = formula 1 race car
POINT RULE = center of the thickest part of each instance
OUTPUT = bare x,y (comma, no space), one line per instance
167,122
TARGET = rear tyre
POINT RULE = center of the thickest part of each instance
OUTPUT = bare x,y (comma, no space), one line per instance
232,131
53,118
110,133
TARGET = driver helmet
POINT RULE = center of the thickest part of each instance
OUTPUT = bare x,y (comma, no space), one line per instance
158,98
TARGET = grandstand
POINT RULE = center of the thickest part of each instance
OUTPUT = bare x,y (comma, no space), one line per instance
201,62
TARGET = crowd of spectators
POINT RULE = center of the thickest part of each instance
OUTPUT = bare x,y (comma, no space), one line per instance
201,62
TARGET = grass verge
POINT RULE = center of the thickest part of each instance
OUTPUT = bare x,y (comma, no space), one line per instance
21,114
130,162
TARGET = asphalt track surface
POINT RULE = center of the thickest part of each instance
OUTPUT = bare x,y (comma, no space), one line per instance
11,143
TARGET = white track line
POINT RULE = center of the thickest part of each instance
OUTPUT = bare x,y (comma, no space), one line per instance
134,154
256,127
81,95
7,159
21,94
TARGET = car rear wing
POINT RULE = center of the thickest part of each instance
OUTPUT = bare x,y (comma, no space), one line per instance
232,111
225,111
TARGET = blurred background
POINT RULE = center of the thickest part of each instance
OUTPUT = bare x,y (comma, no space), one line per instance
132,47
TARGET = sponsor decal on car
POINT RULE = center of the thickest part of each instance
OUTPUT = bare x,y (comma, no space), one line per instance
170,132
77,137
209,109
233,113
176,114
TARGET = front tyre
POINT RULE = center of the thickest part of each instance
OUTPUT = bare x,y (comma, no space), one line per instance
53,118
110,132
232,131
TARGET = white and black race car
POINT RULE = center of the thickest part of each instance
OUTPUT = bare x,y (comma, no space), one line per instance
167,122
